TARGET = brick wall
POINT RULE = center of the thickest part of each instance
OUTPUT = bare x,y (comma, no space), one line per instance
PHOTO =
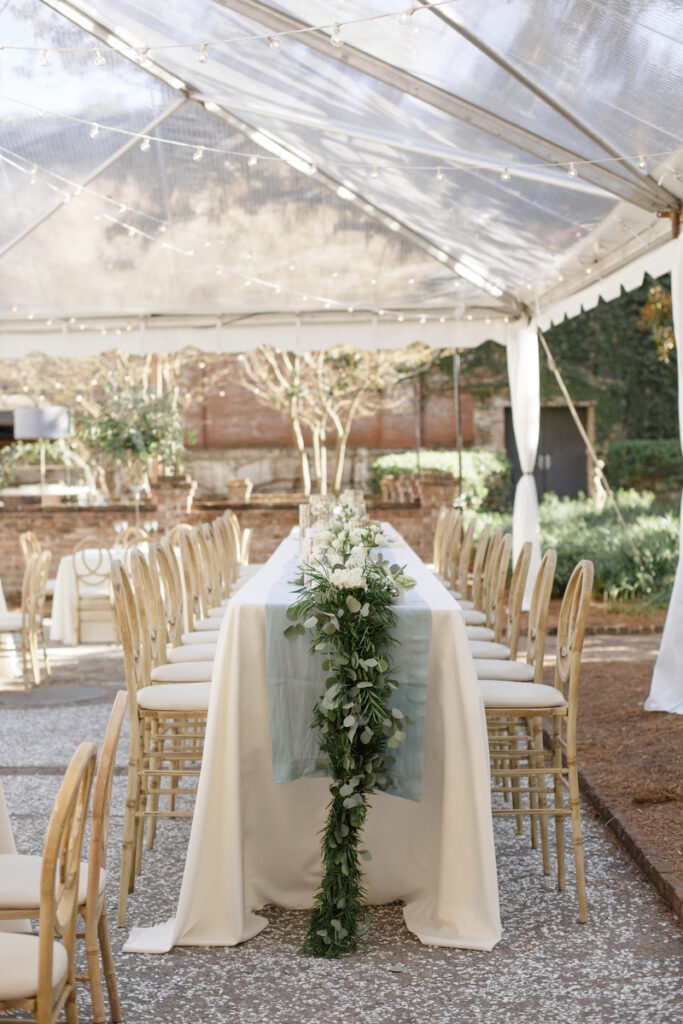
60,528
236,419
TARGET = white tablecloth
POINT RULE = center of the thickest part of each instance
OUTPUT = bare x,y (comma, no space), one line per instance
10,667
254,842
63,617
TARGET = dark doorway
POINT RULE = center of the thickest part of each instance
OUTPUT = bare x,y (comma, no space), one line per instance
561,464
6,427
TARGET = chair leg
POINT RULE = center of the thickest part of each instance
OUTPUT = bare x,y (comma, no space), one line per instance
35,661
108,966
128,850
70,1008
536,759
48,667
92,952
559,806
155,742
577,838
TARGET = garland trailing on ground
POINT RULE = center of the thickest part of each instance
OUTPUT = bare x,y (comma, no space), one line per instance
346,599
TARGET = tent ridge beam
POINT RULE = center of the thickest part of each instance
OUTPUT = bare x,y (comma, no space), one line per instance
661,195
455,106
100,169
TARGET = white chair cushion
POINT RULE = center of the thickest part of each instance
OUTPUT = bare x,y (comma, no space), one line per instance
50,587
488,649
10,622
501,693
496,668
175,697
474,618
466,606
207,625
203,636
479,633
183,672
19,965
193,652
20,881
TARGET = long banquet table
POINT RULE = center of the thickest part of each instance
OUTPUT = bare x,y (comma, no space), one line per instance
254,842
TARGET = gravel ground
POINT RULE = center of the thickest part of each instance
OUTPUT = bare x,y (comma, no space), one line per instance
622,967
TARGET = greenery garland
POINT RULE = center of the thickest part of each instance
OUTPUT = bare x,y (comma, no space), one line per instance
346,599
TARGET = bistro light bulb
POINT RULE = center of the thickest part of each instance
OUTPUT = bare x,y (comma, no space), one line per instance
144,145
252,161
439,174
99,59
44,58
198,153
505,176
572,172
203,55
94,131
336,38
406,15
275,42
642,163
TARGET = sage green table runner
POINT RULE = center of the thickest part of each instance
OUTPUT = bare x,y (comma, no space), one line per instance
296,680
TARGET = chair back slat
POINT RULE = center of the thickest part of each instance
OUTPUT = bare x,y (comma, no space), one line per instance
136,661
538,613
478,565
571,629
495,613
462,582
101,800
61,863
513,617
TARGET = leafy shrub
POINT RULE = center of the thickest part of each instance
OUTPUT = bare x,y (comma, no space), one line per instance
485,475
652,464
578,530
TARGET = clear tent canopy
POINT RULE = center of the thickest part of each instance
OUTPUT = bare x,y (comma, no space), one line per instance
330,163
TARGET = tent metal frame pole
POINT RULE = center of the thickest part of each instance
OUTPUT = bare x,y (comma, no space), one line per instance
661,195
457,402
100,169
449,103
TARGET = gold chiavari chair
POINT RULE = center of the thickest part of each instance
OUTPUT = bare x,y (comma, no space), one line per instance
507,646
476,618
37,972
167,723
91,563
553,773
20,877
27,622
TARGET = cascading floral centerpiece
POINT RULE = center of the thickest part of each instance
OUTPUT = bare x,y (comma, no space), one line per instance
346,596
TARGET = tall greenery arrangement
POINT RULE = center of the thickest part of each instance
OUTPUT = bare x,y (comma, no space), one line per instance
345,598
134,426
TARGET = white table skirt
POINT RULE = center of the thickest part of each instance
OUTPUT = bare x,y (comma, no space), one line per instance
254,842
10,667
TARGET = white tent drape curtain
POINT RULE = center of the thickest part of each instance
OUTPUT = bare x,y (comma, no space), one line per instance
525,399
666,691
